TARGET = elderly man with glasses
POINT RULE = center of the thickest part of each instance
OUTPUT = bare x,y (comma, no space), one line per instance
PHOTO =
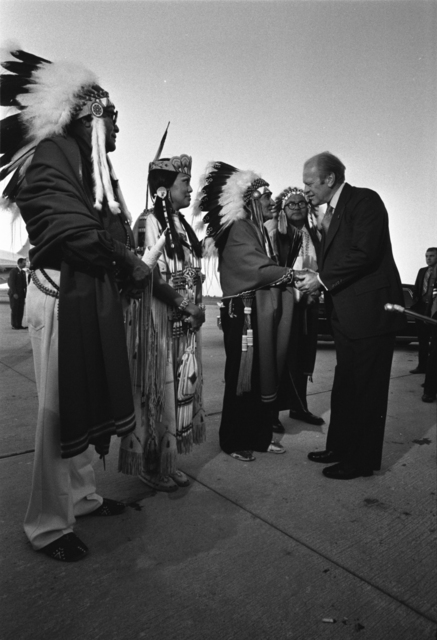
297,241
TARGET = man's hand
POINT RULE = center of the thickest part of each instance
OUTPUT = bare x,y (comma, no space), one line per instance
140,272
196,316
308,282
15,296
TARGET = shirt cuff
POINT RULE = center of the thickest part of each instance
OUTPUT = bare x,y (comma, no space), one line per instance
318,278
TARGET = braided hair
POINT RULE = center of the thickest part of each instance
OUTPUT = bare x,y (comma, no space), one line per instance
162,178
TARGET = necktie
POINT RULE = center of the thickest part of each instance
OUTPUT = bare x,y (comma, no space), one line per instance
427,285
327,218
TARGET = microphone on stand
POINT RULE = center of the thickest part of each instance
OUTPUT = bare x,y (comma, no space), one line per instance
398,309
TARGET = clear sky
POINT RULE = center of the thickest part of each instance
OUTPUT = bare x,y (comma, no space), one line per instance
263,85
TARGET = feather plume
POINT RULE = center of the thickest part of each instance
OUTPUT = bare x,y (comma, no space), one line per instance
161,144
209,249
7,47
197,211
232,197
11,130
51,101
95,156
11,86
15,160
102,180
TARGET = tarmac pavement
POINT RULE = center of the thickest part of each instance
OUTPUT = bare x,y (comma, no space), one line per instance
268,550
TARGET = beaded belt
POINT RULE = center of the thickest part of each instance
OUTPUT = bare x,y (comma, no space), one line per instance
187,277
39,285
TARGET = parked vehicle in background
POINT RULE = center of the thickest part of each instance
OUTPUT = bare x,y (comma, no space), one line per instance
4,288
409,334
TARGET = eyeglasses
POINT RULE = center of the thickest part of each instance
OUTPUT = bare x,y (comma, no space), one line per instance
297,205
111,114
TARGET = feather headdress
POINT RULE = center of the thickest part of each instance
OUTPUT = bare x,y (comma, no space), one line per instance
46,97
225,193
284,198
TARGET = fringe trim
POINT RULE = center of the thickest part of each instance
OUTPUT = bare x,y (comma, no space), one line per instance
168,462
130,462
199,429
184,439
151,456
155,362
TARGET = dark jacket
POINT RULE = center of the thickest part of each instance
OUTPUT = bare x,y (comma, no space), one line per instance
418,304
357,266
17,283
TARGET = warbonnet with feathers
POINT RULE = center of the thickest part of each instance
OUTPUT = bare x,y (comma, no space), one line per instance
45,98
223,194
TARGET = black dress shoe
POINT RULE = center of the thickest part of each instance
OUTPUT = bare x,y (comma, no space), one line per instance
67,548
427,397
417,370
342,472
306,416
109,508
325,457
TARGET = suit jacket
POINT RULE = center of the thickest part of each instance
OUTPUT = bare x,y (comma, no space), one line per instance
418,286
17,282
357,265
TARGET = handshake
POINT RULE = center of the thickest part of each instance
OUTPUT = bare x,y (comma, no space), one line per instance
307,282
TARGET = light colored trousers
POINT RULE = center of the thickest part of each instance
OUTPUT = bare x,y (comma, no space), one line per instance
61,488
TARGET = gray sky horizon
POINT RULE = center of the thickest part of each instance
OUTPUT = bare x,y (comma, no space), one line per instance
262,85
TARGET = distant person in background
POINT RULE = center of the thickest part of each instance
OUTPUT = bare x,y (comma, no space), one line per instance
359,276
17,283
422,301
430,385
298,244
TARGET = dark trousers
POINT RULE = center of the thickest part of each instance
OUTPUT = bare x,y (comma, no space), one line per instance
430,386
359,398
423,335
246,422
17,311
300,358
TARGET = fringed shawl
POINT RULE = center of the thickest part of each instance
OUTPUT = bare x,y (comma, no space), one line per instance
245,267
95,398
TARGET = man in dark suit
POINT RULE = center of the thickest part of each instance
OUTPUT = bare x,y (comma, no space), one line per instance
359,275
422,300
430,384
17,283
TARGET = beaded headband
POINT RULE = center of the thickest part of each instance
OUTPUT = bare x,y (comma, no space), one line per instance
93,101
287,194
256,187
178,164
